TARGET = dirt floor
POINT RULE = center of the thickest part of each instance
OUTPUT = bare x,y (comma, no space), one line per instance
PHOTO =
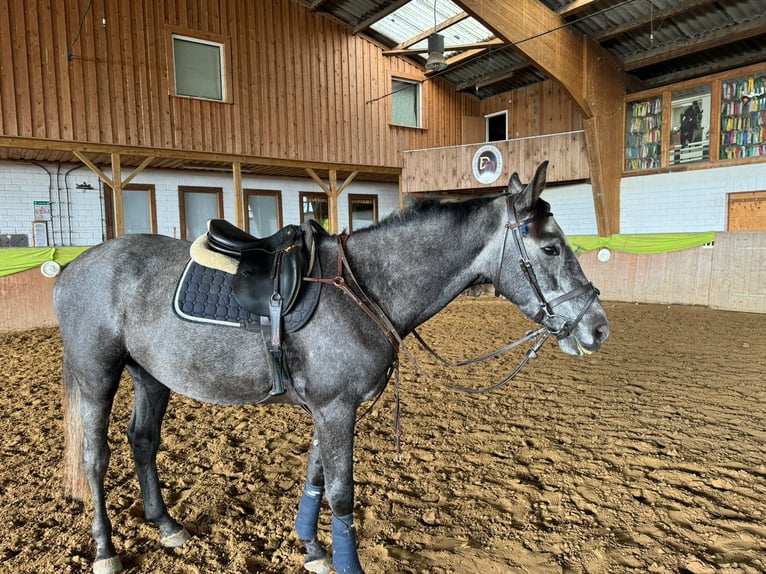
646,457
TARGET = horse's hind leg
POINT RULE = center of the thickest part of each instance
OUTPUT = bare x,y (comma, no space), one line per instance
150,401
307,520
95,406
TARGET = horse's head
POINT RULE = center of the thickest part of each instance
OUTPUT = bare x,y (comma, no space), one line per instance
539,272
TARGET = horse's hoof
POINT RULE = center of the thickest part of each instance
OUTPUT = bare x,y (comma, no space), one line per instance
319,566
107,566
175,540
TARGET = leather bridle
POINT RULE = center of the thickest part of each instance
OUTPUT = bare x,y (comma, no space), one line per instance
554,323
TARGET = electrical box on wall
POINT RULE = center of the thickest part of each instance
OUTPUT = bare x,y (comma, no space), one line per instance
14,240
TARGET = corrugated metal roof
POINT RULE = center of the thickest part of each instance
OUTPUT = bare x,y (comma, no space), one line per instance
655,38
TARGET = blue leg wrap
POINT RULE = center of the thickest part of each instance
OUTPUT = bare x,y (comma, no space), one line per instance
344,556
308,512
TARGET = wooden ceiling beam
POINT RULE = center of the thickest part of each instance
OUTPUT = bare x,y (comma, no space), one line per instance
490,79
420,37
575,7
181,155
594,79
714,39
457,47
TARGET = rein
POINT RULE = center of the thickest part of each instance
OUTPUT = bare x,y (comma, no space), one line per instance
545,314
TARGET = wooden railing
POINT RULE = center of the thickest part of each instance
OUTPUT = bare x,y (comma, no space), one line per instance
451,168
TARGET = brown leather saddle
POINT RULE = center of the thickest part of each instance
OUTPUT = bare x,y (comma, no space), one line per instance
269,275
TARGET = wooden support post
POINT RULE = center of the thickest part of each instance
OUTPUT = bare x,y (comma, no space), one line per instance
119,219
115,183
332,201
332,191
594,79
239,196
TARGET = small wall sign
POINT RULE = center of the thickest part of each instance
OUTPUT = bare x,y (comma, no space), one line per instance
487,164
42,210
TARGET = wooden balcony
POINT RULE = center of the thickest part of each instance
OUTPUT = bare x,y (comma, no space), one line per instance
450,169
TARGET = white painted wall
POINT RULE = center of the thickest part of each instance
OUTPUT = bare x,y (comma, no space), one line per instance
661,203
678,202
78,215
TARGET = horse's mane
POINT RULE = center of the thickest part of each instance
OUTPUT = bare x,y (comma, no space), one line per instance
428,208
425,209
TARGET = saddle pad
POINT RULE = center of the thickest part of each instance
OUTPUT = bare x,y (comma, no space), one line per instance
204,295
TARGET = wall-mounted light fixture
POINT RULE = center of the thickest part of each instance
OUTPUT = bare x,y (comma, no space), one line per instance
84,185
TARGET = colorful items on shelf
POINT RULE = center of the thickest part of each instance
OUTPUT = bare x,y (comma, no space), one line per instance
743,117
643,135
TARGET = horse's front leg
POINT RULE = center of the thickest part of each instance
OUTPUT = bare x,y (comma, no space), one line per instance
307,520
335,429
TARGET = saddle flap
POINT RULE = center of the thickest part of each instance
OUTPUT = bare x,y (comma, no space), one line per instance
277,265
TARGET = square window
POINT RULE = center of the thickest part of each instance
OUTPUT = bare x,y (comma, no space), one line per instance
198,68
197,205
405,103
264,212
315,206
363,211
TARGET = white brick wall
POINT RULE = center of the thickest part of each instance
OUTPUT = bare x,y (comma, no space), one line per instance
661,203
685,201
78,215
679,202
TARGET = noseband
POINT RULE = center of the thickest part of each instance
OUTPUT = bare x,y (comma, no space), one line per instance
545,315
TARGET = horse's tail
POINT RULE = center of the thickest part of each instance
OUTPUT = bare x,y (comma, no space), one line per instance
75,484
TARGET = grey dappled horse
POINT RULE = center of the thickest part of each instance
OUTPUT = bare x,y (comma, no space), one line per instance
114,305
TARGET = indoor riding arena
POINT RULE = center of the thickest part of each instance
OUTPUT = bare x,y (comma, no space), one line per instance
631,438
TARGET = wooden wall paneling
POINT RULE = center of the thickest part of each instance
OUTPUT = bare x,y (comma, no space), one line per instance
155,70
8,113
34,63
77,80
739,271
300,82
58,62
132,57
50,108
746,211
26,301
20,61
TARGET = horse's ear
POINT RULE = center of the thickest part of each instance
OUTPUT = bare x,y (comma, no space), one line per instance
514,184
526,196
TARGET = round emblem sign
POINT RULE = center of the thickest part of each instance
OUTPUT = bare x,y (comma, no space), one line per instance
487,164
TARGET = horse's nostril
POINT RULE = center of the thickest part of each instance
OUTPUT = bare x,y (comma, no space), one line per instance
602,332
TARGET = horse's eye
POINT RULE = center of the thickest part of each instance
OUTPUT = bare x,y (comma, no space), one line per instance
551,250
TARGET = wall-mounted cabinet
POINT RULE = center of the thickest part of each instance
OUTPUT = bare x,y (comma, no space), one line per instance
716,120
643,134
743,117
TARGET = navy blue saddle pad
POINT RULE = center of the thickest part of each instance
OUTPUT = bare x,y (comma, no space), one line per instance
204,295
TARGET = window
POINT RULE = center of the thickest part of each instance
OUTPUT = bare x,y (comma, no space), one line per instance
497,126
315,206
198,204
264,212
198,67
690,125
405,103
138,209
362,211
